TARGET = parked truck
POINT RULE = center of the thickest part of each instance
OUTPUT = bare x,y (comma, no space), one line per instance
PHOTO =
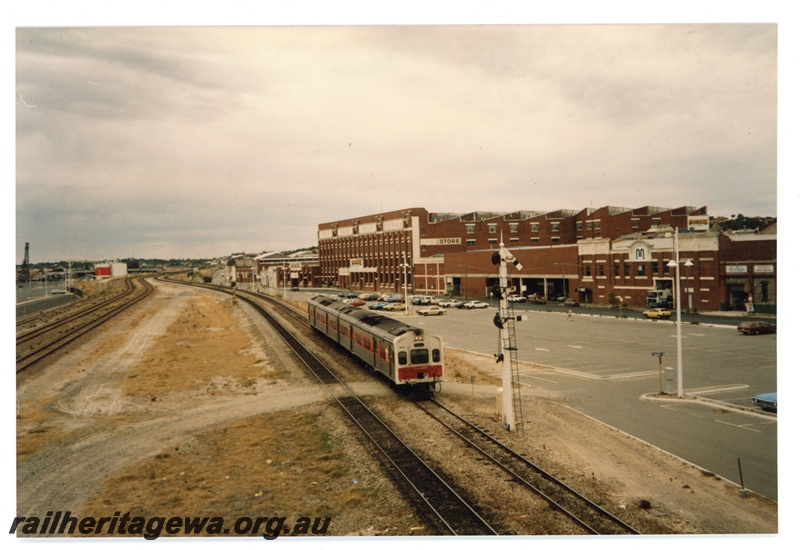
660,297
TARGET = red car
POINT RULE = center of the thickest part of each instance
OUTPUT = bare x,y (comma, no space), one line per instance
757,327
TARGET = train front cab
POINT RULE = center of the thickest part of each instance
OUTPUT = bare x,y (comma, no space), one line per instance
419,358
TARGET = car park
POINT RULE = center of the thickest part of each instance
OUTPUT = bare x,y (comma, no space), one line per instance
431,310
767,401
657,313
756,327
474,304
450,303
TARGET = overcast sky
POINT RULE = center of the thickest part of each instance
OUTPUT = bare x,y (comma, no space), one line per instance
176,142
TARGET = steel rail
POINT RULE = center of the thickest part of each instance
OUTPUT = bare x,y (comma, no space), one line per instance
598,511
34,356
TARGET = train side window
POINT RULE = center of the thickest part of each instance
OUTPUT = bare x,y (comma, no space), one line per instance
402,358
436,355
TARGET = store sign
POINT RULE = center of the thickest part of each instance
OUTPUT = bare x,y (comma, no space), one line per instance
356,264
735,269
698,223
763,269
444,241
640,253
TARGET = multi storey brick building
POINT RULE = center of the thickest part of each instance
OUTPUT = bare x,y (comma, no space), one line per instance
593,255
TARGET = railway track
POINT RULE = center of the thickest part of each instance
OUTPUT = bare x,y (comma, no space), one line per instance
588,515
36,320
449,510
35,345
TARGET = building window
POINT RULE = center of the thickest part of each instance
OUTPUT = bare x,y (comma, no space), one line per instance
535,239
597,224
513,227
616,270
470,229
534,227
555,239
640,272
492,241
601,270
587,270
470,242
764,291
492,228
579,226
665,267
627,270
655,267
555,226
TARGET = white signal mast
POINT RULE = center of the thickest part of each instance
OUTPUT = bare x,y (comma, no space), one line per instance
501,320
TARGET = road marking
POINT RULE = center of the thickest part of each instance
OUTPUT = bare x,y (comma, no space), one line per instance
541,349
575,347
717,389
742,426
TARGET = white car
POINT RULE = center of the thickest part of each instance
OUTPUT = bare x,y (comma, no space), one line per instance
431,310
475,304
516,298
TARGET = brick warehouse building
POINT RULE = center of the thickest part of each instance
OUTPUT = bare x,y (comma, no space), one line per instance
591,255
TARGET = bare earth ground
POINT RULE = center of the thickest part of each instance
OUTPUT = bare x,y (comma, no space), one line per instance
188,406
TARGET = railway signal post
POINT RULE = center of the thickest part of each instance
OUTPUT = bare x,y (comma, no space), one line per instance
501,259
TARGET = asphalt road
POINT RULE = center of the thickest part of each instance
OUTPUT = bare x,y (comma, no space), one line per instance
604,367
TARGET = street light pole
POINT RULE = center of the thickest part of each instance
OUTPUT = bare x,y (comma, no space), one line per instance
405,282
676,263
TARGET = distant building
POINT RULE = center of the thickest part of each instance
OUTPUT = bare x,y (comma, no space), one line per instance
115,269
592,255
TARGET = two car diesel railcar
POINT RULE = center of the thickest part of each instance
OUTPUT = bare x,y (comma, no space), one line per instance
407,356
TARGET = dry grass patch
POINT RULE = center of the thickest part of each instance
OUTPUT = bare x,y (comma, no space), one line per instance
265,466
204,347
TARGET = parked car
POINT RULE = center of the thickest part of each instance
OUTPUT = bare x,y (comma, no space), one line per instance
378,305
474,304
756,327
354,302
368,296
569,302
516,298
431,310
449,303
394,306
421,300
536,299
767,401
348,294
657,313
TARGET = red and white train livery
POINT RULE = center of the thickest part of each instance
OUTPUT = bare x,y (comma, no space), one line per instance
406,355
